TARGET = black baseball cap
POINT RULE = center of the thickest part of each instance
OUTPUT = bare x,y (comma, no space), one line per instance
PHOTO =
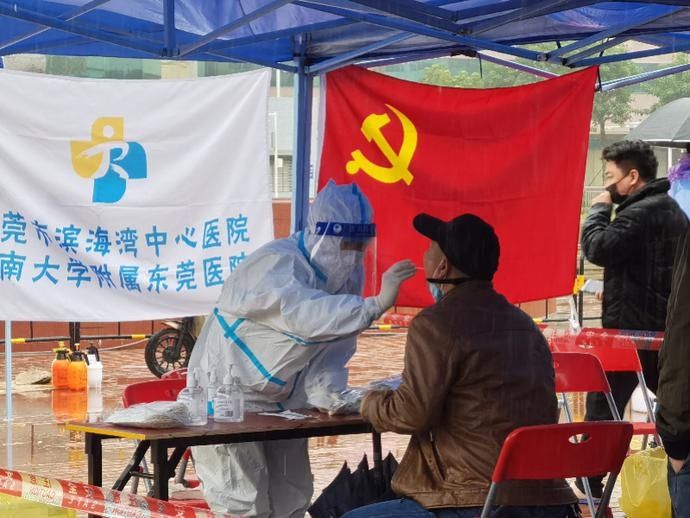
469,243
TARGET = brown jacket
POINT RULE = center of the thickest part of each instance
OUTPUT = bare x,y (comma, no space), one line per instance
476,367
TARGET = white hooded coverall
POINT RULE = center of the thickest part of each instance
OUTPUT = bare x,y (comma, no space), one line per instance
287,320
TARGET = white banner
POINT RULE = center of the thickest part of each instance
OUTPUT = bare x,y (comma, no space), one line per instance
128,200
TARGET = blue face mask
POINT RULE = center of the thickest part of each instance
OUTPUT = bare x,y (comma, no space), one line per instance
436,291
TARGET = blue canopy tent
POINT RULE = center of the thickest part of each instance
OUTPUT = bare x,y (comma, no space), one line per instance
311,37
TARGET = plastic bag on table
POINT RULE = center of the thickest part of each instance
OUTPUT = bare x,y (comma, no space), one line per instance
644,489
390,383
337,403
347,401
159,414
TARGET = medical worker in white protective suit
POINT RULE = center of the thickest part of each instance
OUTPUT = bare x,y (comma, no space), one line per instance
287,320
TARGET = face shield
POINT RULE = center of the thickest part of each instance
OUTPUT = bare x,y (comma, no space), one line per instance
339,232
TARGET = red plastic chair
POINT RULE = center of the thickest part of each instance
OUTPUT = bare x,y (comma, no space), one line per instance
163,390
549,452
620,358
150,391
581,372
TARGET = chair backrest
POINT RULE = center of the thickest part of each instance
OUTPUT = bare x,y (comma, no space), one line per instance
579,372
150,391
549,451
621,358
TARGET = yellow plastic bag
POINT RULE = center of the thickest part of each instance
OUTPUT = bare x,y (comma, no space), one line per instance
644,485
15,507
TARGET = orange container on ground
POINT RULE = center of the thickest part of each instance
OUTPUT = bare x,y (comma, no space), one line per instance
77,371
59,369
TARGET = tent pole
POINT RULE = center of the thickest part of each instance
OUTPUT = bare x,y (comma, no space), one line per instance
645,76
8,367
8,389
304,85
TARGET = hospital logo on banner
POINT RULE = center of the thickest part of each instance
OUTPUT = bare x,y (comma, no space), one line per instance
108,159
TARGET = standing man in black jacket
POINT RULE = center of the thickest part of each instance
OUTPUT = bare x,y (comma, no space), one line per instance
636,250
673,415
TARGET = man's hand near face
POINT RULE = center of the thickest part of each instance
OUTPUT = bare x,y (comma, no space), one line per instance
604,197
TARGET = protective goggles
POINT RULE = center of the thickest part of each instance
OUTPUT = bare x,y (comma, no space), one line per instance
346,230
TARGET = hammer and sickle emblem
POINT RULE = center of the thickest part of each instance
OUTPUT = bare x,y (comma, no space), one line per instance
399,168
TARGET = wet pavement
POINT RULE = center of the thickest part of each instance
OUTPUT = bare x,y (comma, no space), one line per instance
36,440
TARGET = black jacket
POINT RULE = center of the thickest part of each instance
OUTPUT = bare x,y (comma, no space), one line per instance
636,250
673,415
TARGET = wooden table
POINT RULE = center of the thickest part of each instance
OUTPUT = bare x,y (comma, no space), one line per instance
254,428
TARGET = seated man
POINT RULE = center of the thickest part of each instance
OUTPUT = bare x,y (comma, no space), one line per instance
476,368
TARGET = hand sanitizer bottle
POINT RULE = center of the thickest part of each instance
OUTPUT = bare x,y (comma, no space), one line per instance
211,389
195,398
237,400
229,400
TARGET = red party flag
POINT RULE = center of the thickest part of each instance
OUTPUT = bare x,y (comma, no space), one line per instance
513,156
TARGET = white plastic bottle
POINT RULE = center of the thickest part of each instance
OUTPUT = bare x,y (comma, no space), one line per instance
195,398
229,401
94,407
237,400
94,368
211,390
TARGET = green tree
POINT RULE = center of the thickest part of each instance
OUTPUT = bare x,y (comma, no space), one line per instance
613,105
491,76
670,88
438,75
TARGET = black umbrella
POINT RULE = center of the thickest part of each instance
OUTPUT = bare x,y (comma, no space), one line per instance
350,490
669,126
